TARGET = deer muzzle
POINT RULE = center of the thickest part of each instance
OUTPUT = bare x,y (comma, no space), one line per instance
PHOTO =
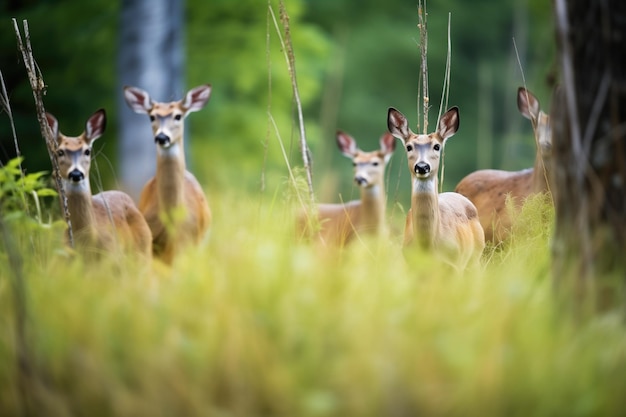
162,139
76,176
422,168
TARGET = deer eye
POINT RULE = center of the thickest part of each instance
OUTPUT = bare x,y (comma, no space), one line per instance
87,152
178,117
436,147
152,118
409,148
60,152
375,163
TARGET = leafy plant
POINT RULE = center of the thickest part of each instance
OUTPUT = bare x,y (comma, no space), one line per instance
20,193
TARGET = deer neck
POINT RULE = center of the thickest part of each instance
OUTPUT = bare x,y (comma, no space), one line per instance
543,157
540,174
425,211
373,207
80,206
170,175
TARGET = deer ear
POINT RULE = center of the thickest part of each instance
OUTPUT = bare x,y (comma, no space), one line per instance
54,125
397,124
387,146
95,125
137,99
528,104
387,143
449,123
196,98
346,144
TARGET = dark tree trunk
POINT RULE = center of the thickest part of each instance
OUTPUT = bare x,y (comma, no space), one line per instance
150,57
589,128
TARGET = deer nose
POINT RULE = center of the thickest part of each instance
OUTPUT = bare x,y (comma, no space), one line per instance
162,139
360,180
422,168
76,176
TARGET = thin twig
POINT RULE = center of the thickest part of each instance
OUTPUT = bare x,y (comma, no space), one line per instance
268,60
290,58
443,104
6,106
519,64
39,90
284,152
422,16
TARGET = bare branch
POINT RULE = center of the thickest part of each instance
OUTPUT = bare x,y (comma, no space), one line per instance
443,104
291,64
422,16
39,90
6,106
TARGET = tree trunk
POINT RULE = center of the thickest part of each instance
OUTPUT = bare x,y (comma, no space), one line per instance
150,57
589,131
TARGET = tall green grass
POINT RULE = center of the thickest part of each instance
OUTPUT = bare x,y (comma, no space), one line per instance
255,323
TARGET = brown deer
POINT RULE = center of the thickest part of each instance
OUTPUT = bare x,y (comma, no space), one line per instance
489,189
340,223
445,223
173,201
108,222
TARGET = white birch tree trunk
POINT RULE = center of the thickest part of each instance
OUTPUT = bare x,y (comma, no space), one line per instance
151,57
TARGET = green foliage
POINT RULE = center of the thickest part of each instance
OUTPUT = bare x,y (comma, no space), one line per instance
352,63
74,46
532,229
236,48
26,217
20,193
254,323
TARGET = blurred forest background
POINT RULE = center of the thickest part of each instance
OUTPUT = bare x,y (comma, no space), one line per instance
353,61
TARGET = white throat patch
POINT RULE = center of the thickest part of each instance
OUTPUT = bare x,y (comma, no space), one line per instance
171,151
424,186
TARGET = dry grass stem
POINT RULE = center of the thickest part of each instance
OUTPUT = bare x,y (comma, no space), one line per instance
291,65
422,16
38,86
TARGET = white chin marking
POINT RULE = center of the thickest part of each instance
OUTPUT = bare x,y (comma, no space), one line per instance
423,185
169,150
373,190
75,187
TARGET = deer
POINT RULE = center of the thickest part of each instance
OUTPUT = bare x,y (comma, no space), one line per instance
173,202
443,223
108,222
489,189
341,223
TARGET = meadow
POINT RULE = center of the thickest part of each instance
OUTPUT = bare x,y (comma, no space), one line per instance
256,323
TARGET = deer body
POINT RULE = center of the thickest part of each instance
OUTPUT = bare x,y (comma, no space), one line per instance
108,221
173,201
445,223
488,189
341,223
